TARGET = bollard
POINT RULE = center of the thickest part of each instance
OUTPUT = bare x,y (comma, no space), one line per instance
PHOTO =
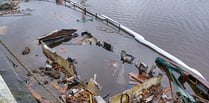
74,5
119,27
84,11
96,15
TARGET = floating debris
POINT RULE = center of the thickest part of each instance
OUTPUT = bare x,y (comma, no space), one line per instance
108,46
86,34
53,74
140,78
11,8
57,37
141,92
152,70
142,67
65,66
26,51
198,85
145,86
126,58
60,2
58,88
37,96
8,5
77,94
70,87
76,90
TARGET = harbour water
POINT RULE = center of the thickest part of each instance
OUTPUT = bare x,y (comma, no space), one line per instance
180,27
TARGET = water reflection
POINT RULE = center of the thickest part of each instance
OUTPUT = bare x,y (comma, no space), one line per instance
121,75
180,27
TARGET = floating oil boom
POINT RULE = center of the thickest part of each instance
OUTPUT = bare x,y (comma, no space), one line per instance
142,40
137,36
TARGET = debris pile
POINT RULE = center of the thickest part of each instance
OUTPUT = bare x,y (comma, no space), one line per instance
9,7
57,37
77,90
145,85
178,77
141,92
12,8
126,58
70,36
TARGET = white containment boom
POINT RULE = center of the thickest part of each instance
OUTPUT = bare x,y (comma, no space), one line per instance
162,52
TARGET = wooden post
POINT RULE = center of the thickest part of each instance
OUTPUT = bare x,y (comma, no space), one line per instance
171,88
119,27
74,5
84,11
96,15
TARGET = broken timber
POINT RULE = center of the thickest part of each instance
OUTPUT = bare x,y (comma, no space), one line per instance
64,33
136,91
67,68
